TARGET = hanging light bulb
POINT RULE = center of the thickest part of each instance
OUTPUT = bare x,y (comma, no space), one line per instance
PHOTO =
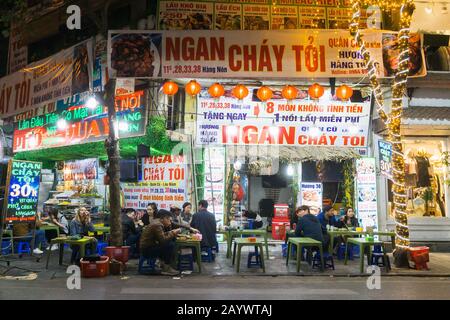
216,90
61,124
315,91
429,9
314,132
344,92
237,165
290,170
92,103
289,92
240,91
264,93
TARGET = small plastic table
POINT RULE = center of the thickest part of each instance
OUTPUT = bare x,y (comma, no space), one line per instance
61,241
242,242
363,243
301,242
237,233
179,244
50,226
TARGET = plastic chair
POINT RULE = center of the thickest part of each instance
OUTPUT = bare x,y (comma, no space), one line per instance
146,269
6,247
101,247
186,262
377,258
257,262
327,260
23,247
209,256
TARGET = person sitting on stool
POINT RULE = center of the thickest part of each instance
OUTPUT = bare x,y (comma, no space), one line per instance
80,226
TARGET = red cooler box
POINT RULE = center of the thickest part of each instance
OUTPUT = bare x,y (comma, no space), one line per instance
279,228
281,212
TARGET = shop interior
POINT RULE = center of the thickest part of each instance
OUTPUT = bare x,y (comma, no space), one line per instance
426,161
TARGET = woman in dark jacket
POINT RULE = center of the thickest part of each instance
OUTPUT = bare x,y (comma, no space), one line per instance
151,214
349,220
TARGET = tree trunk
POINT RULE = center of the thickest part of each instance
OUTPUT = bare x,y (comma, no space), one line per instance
112,149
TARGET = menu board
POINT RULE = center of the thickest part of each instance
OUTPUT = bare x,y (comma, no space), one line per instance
86,169
256,17
163,180
284,17
385,157
228,16
23,190
340,18
311,194
312,17
181,15
367,192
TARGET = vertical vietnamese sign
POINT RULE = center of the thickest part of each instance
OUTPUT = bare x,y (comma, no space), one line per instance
385,157
23,190
215,180
367,192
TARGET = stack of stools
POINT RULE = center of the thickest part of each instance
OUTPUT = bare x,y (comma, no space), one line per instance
147,268
186,262
254,263
327,260
377,258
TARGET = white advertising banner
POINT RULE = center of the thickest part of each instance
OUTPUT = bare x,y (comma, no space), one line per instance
300,122
163,181
59,76
367,192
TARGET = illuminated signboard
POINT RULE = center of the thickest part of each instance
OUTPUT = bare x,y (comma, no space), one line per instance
23,190
74,123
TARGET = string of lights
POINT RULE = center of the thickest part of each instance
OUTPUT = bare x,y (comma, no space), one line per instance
393,119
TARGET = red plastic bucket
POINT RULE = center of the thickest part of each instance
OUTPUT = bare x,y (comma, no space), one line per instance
118,253
95,269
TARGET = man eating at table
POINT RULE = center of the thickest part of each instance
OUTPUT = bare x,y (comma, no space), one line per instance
309,226
158,243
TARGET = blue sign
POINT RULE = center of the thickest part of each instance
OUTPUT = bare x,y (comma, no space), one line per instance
23,190
385,156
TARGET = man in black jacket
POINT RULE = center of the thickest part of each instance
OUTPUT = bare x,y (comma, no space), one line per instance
309,226
205,222
130,233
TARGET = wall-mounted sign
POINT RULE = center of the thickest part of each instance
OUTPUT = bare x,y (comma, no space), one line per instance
86,169
22,190
385,157
367,192
310,194
74,123
300,122
58,76
250,54
163,181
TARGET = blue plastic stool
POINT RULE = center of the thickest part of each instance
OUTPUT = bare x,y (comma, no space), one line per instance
257,262
101,247
186,262
355,251
377,258
250,223
146,269
23,247
209,257
6,247
327,260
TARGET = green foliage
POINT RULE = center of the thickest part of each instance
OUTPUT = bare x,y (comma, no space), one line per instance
9,9
155,137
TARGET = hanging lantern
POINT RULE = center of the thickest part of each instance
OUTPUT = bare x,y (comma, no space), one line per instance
344,92
170,88
193,88
240,91
316,91
289,92
264,93
216,90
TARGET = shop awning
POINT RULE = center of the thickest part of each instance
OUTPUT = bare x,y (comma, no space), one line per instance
291,154
426,116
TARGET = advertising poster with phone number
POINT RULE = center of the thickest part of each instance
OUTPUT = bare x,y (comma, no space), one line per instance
311,194
367,192
23,190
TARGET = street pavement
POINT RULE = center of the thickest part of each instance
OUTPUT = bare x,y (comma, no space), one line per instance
229,287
